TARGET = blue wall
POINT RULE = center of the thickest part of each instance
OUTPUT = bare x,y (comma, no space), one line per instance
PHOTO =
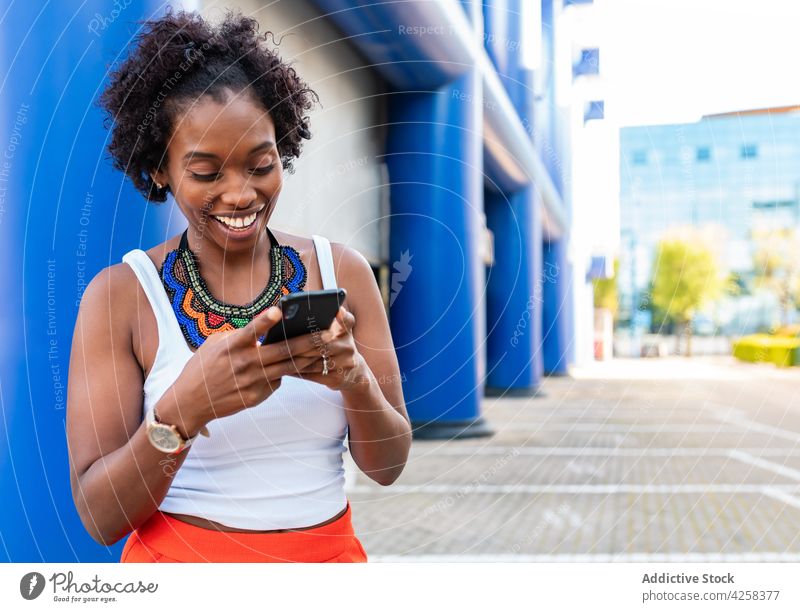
65,216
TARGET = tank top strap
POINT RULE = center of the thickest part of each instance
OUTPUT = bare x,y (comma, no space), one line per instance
325,258
149,279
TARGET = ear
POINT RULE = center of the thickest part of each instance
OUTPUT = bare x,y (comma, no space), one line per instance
159,176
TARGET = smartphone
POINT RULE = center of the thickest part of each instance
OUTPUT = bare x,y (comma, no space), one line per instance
305,312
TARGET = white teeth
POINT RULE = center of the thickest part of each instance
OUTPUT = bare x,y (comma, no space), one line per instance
238,223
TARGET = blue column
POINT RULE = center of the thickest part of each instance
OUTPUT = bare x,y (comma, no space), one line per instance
514,358
557,314
60,206
546,112
435,160
514,295
558,326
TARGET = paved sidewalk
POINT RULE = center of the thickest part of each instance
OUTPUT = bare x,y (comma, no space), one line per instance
644,460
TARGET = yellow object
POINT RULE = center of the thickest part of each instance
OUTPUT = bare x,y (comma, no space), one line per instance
781,350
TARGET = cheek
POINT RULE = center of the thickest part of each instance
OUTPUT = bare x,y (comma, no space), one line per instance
195,202
196,194
272,182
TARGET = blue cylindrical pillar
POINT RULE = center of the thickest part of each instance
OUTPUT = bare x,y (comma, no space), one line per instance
557,316
435,161
557,312
514,295
514,358
64,215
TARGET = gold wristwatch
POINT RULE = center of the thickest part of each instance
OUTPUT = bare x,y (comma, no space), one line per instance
167,438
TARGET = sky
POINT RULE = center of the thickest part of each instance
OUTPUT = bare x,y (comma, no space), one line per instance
672,61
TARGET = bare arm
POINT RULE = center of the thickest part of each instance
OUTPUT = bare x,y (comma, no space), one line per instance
380,431
118,478
363,367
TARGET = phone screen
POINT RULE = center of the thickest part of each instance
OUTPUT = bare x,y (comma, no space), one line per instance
305,312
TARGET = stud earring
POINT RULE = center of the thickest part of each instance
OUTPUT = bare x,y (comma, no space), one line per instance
159,185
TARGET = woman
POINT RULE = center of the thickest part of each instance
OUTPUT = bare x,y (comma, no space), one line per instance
183,428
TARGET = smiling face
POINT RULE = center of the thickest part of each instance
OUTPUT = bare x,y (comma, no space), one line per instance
223,167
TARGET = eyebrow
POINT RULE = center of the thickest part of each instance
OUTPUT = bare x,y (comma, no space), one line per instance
205,155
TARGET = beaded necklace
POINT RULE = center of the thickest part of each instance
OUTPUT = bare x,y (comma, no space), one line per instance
199,314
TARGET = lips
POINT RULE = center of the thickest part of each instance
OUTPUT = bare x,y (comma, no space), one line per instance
239,222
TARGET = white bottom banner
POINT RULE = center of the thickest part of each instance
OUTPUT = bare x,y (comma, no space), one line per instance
401,586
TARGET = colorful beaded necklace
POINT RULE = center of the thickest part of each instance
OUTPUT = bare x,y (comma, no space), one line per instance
199,314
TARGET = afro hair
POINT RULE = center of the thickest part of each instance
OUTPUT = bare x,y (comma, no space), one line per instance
179,58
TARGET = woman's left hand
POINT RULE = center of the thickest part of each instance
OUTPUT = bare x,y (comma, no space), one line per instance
346,366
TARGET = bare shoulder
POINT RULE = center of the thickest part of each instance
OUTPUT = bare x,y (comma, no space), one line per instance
159,252
117,284
112,284
351,264
302,244
343,255
106,304
353,271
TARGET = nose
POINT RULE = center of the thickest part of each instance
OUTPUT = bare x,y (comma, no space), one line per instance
238,193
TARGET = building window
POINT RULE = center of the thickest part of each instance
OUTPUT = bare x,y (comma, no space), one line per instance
640,157
749,151
703,153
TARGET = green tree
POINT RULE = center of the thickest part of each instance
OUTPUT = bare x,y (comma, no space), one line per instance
660,323
605,292
685,277
776,259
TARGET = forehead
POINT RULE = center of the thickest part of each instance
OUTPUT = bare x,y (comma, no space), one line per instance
221,127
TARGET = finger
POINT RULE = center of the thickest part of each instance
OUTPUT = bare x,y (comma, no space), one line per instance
299,345
322,379
319,353
348,318
261,324
328,350
274,383
336,329
289,367
313,365
344,321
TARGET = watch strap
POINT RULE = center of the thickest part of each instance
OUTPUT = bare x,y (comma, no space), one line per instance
152,417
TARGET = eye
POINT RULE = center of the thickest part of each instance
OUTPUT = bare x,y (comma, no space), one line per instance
205,177
262,170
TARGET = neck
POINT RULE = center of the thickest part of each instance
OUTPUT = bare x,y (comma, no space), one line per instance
214,258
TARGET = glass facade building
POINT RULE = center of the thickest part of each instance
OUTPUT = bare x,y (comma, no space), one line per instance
735,172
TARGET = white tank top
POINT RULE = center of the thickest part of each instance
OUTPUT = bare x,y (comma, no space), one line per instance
277,465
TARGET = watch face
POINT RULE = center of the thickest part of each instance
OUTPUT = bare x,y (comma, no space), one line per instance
163,438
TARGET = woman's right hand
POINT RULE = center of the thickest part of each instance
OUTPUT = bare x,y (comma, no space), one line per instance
228,374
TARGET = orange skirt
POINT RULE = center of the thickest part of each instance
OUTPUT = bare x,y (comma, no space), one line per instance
165,539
